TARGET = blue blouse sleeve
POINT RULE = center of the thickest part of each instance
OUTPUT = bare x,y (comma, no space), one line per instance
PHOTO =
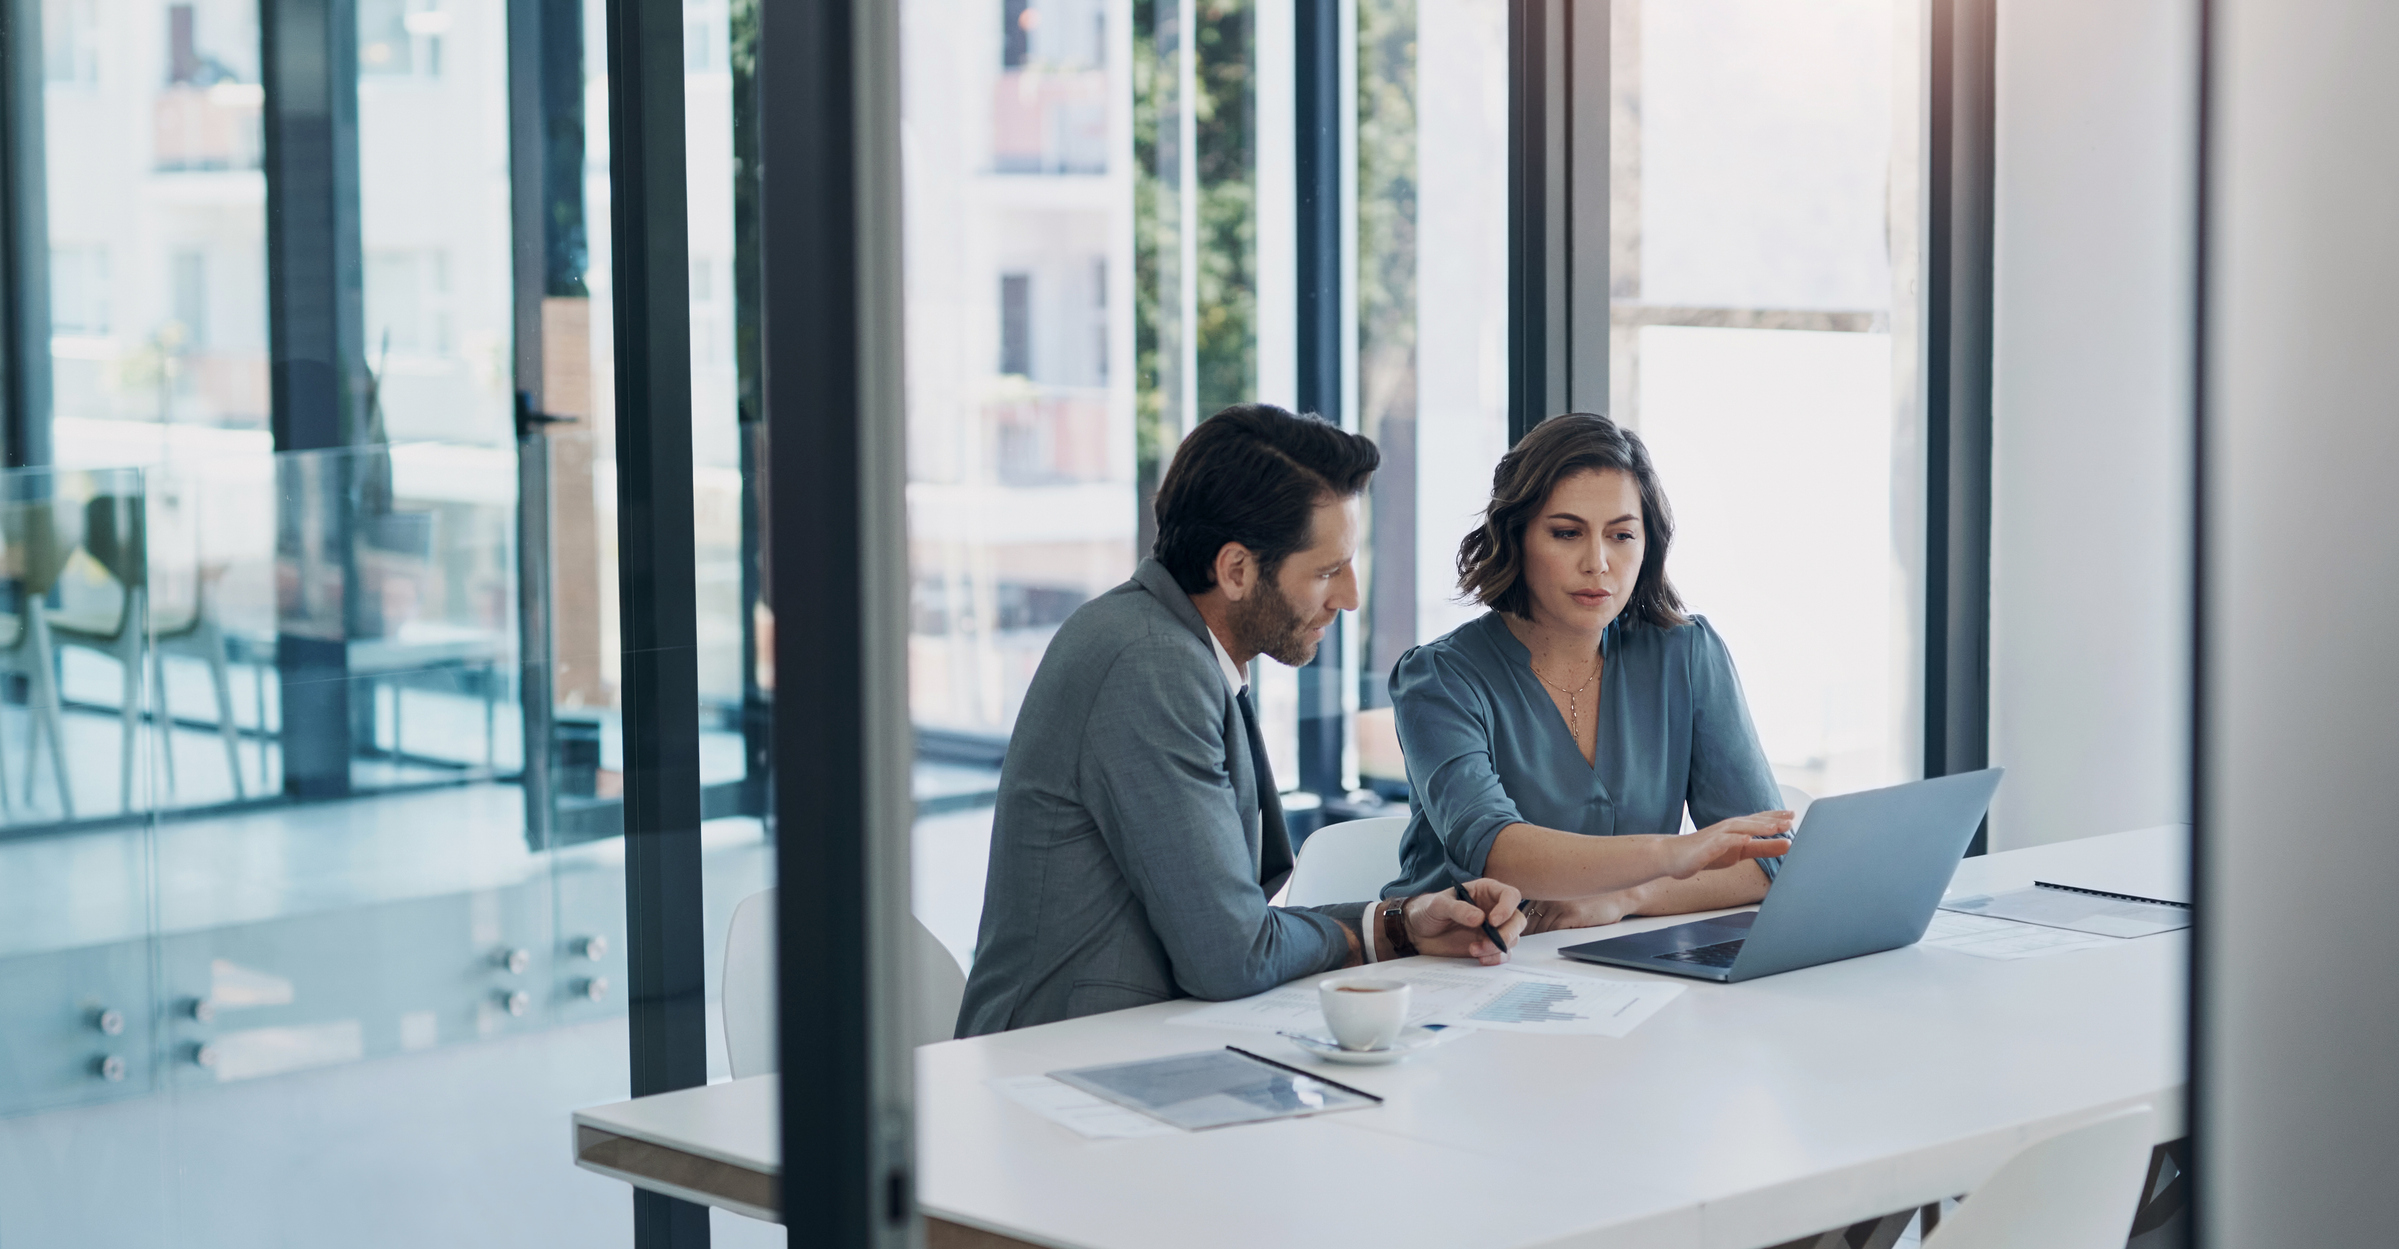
1729,773
1444,718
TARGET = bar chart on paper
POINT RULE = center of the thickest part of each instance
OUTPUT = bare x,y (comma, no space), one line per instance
1500,999
1531,1002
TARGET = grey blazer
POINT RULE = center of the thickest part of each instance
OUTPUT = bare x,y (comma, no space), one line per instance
1127,863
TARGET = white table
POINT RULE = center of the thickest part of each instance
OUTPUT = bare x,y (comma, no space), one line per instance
1740,1116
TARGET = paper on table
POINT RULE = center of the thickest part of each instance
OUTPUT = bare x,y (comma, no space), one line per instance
2108,915
1987,937
1074,1108
1494,998
1215,1088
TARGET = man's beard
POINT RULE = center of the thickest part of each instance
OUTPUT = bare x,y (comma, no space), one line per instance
1267,623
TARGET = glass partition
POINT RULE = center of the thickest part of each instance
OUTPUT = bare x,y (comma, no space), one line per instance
76,698
298,945
212,981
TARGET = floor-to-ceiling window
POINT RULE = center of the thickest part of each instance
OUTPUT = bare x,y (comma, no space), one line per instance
1765,277
1761,232
1033,230
1432,315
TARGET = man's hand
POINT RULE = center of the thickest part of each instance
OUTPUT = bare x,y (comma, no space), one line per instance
1441,924
1726,843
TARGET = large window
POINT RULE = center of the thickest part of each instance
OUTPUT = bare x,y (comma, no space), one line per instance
1764,270
155,203
1760,231
1432,316
1021,256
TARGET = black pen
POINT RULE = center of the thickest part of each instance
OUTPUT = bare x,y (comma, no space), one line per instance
1298,1072
1488,930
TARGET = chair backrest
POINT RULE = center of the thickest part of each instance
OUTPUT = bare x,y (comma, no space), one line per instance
1347,862
44,533
114,532
749,990
2076,1190
935,986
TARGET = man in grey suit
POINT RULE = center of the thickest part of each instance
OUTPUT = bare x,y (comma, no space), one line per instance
1137,837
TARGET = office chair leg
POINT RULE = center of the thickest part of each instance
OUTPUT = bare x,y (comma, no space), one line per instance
258,685
129,658
165,715
8,806
47,716
1875,1233
221,671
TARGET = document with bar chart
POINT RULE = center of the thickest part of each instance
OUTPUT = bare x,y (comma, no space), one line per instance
1500,999
1507,1000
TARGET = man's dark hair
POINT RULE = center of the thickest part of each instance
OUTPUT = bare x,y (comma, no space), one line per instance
1491,559
1253,474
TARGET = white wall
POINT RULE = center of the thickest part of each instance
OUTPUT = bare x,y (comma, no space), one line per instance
2301,686
2090,554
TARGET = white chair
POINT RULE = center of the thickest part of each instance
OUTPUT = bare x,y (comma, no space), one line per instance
1346,862
2076,1190
935,986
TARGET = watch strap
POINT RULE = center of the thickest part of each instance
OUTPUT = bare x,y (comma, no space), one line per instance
1394,915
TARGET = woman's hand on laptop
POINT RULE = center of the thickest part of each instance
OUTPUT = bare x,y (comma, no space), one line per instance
1442,925
1727,842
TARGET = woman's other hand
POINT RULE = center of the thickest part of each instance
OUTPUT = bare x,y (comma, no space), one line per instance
1595,911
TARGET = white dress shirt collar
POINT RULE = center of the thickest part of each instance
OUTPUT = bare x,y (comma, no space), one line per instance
1235,680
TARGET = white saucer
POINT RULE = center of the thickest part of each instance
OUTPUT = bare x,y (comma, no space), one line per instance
1410,1040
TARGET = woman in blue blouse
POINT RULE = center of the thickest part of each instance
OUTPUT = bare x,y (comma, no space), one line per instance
1553,742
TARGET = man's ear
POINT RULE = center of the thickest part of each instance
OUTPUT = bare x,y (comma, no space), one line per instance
1236,571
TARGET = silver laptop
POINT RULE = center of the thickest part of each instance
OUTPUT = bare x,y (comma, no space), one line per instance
1864,875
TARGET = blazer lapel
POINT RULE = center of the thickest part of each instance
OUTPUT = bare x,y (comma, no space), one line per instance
1244,758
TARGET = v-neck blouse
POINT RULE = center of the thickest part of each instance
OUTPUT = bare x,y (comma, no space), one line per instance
1486,747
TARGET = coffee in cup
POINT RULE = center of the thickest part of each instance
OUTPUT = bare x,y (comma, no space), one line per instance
1364,1012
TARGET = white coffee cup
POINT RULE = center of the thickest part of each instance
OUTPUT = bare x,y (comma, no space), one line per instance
1364,1012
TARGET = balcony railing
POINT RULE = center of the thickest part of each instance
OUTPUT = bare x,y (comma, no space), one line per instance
207,128
1050,121
1049,438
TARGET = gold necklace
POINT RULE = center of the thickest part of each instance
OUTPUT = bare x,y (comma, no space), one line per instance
1573,696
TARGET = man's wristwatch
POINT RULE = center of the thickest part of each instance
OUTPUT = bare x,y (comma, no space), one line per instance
1392,913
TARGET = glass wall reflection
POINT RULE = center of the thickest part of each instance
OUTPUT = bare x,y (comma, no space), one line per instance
231,1012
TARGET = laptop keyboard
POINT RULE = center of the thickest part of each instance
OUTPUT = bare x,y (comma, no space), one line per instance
1720,954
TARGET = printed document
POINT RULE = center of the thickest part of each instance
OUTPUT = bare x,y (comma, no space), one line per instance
2082,910
1986,937
1072,1107
1214,1089
1498,999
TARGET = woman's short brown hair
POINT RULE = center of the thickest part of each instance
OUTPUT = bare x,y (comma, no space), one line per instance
1491,559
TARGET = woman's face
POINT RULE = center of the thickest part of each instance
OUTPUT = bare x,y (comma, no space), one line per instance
1583,548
